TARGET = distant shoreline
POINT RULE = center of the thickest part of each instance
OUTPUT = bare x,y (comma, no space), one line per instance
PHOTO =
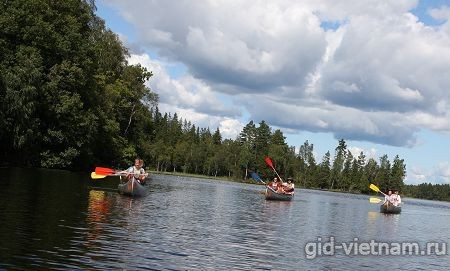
250,181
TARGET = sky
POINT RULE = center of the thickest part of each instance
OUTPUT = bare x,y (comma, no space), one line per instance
374,73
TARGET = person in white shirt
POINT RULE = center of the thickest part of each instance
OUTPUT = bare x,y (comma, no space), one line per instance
136,172
396,199
388,197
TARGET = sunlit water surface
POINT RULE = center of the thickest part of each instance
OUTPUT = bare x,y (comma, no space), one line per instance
60,220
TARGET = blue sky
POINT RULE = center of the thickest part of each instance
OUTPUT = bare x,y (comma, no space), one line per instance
375,73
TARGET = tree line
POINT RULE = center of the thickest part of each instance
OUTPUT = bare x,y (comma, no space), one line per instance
71,100
69,97
180,146
428,191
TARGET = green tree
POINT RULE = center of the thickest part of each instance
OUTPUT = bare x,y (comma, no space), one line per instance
307,163
247,142
217,137
346,177
362,179
262,140
398,173
324,172
45,69
69,98
338,164
371,170
382,178
277,138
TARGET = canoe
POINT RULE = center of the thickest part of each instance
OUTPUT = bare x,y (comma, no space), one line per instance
389,208
273,195
132,188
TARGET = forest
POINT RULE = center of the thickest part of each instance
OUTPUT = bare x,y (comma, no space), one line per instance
70,100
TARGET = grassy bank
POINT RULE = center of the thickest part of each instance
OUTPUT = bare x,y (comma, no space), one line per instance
221,178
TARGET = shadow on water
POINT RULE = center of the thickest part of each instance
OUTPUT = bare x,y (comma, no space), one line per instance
36,207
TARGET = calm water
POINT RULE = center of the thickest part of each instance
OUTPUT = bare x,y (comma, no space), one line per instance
58,220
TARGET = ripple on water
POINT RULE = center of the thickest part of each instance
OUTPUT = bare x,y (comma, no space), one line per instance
197,224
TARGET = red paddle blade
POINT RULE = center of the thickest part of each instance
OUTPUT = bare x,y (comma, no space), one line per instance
269,162
104,171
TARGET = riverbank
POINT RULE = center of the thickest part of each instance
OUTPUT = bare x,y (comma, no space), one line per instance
408,191
181,174
251,181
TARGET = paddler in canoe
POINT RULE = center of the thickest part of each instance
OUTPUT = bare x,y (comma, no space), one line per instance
134,181
137,171
391,201
288,187
396,199
390,204
281,187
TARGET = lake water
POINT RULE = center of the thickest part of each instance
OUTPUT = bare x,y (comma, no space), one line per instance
61,220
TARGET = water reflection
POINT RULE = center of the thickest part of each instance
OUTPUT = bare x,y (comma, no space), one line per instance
391,225
57,222
372,216
98,210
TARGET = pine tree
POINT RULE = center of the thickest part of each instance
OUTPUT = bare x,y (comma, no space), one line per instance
324,172
338,164
398,173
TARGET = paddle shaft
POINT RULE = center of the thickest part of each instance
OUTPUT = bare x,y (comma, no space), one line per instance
383,193
101,176
257,178
269,162
277,174
376,189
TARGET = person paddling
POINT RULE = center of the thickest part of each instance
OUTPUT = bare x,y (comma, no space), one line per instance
136,172
274,184
289,186
396,198
388,198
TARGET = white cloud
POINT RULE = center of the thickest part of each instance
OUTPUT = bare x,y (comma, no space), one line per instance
343,10
381,75
442,172
347,123
369,153
186,92
237,43
399,67
443,14
190,98
417,175
229,128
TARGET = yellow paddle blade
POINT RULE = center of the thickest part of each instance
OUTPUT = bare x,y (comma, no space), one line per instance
374,187
97,176
375,200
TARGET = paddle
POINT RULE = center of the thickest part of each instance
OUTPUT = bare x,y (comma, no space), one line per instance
375,188
257,178
97,176
101,176
269,162
375,200
102,172
105,171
